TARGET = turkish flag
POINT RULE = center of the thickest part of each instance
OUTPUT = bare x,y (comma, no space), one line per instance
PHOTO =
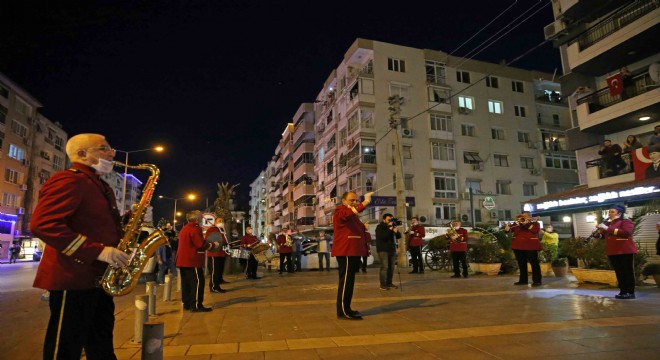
615,84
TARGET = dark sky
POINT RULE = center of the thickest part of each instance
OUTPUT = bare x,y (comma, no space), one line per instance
216,81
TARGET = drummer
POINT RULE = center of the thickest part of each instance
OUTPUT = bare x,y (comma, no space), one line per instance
248,242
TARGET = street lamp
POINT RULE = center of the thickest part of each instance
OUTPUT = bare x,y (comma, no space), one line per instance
123,193
189,197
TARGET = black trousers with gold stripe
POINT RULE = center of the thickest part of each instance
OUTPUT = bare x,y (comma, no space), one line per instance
348,266
192,287
80,319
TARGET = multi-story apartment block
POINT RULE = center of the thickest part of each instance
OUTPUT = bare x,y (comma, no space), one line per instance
258,197
608,102
465,124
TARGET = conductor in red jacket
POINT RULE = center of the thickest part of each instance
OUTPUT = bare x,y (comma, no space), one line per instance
77,217
526,245
190,261
348,247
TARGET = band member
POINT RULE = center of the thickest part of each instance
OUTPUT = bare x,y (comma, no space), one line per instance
218,256
77,217
458,249
416,234
526,245
190,261
367,246
620,249
248,242
348,246
285,248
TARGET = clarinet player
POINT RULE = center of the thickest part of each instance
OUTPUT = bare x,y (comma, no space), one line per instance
620,249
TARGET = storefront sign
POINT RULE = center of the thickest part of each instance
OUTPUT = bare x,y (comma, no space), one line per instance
596,198
489,203
390,201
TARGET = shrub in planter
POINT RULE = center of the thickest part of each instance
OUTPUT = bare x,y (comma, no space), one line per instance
440,242
486,251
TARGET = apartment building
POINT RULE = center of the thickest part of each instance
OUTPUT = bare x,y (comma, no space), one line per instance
465,124
258,208
595,42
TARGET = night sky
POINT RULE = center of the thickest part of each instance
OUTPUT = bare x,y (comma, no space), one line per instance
215,82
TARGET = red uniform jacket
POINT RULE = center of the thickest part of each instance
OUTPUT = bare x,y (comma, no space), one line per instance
460,244
526,236
348,231
191,246
219,252
76,216
417,234
367,244
249,241
618,237
283,249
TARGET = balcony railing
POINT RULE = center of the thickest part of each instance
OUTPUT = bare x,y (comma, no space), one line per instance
617,21
612,166
363,159
602,98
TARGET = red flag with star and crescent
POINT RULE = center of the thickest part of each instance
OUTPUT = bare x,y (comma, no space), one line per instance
615,84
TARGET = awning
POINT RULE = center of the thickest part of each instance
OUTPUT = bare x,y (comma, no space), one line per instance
584,198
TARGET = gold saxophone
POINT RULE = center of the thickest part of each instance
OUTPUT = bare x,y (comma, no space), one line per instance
451,232
289,240
120,281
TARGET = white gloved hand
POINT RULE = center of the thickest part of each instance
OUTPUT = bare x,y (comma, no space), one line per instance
113,257
454,237
367,196
603,226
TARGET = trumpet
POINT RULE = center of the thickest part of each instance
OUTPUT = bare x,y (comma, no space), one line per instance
521,219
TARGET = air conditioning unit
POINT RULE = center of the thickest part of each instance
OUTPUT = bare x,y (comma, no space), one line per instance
554,30
423,218
464,110
493,214
24,187
478,166
531,145
465,217
407,133
20,211
535,172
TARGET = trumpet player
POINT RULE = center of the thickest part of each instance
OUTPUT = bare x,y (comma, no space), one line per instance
285,248
458,248
620,249
416,234
526,245
77,218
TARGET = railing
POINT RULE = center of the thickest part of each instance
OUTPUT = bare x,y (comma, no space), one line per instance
436,79
365,159
617,21
612,166
602,98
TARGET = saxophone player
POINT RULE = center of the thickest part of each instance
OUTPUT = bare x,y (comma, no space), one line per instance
416,234
526,245
458,249
77,217
285,248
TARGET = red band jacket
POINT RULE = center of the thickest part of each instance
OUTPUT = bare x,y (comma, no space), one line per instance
348,231
214,234
526,236
191,246
460,243
618,237
282,248
417,234
248,241
76,216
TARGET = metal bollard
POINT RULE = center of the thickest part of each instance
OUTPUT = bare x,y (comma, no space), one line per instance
151,291
167,291
178,281
141,316
152,346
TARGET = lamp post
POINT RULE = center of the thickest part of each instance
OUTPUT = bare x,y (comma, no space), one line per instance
123,192
189,197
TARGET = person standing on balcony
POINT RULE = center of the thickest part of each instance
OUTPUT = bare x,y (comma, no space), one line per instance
611,155
627,83
655,138
631,144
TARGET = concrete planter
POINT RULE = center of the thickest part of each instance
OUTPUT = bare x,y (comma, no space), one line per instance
488,269
546,269
560,271
656,277
595,276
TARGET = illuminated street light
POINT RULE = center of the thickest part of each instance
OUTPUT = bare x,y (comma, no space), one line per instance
189,197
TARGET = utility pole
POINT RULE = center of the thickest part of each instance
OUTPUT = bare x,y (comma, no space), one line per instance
395,102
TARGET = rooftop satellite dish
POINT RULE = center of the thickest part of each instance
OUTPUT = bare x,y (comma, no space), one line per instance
654,72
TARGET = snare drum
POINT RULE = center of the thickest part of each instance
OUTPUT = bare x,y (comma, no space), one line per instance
260,248
264,256
244,254
235,253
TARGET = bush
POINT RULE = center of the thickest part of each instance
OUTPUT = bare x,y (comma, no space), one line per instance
591,251
439,243
486,251
562,261
651,269
549,253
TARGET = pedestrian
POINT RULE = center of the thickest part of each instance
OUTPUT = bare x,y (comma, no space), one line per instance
217,257
386,235
15,250
416,234
550,242
171,238
620,249
248,242
190,261
526,245
323,251
165,262
347,248
458,249
285,248
77,217
297,252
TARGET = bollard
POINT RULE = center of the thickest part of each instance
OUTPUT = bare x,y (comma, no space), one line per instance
152,345
167,291
151,291
178,281
141,316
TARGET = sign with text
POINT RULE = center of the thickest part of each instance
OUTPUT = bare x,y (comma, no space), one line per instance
389,201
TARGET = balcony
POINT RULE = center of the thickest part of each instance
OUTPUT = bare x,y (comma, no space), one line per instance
303,190
361,121
361,159
305,212
603,172
597,112
302,169
626,36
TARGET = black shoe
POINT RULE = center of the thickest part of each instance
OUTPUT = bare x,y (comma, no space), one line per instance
625,296
354,313
364,270
201,309
536,284
455,276
224,282
414,272
392,286
384,287
218,290
349,317
520,283
465,276
186,307
421,272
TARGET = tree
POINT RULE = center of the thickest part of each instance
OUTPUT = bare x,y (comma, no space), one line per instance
223,204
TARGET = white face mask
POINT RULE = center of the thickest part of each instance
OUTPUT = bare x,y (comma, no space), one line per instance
103,166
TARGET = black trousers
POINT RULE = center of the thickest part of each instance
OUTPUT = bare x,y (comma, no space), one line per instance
192,287
348,265
80,319
217,264
251,270
624,268
417,262
289,262
522,257
460,257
